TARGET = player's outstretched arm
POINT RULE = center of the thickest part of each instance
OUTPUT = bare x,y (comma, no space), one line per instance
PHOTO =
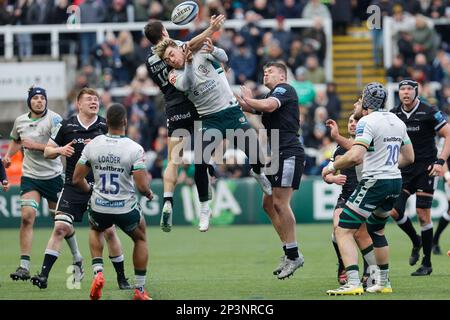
217,53
262,105
351,158
142,183
13,147
215,23
52,150
79,175
334,132
406,156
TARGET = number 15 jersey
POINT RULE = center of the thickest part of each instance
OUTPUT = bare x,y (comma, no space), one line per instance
382,133
113,160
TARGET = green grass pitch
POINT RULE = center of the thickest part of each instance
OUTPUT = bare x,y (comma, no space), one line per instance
233,262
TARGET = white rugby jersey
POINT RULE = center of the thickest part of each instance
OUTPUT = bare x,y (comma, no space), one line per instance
383,134
38,130
113,160
204,82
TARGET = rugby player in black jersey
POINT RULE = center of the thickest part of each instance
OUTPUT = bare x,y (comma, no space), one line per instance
423,121
280,112
69,140
180,112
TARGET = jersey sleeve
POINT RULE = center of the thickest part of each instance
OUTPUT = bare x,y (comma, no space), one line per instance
281,95
405,139
14,133
217,55
439,119
364,134
58,134
85,155
181,79
139,160
339,151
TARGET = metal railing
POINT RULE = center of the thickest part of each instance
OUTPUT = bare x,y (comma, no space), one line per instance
388,36
100,30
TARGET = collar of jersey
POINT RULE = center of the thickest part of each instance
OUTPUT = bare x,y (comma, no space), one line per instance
408,114
90,124
36,119
115,136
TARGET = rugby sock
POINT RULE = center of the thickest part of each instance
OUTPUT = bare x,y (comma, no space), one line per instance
204,206
443,222
73,245
49,259
284,249
292,250
202,181
140,276
97,264
427,242
406,225
336,248
369,258
25,261
168,196
118,266
384,274
352,275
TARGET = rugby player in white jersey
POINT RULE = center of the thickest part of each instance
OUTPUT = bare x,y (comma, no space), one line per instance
41,177
384,134
117,163
195,74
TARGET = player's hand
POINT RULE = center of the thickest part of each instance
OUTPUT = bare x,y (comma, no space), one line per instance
5,185
325,172
6,161
340,179
246,93
334,128
208,46
188,55
67,150
244,105
216,22
436,170
149,196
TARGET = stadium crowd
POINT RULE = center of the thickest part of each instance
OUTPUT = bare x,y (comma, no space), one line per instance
422,53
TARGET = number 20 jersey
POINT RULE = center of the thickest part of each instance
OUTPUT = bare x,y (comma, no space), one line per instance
113,160
382,133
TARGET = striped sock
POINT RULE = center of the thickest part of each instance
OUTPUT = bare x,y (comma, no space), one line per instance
140,276
25,261
97,265
49,259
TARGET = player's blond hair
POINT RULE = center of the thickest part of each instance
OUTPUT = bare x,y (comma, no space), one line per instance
161,47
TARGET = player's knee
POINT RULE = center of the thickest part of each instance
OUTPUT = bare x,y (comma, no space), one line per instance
375,229
110,234
400,206
423,202
27,220
267,204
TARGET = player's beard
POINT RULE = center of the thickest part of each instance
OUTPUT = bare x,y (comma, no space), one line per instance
38,112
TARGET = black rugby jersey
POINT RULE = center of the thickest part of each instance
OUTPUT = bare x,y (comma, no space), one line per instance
286,119
72,130
422,123
158,71
352,180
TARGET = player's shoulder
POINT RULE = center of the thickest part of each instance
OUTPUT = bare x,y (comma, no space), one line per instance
339,151
101,121
131,144
283,88
152,58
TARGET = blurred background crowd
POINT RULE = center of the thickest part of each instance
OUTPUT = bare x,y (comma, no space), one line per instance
421,52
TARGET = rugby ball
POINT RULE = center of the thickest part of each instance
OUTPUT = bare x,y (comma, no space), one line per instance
185,12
